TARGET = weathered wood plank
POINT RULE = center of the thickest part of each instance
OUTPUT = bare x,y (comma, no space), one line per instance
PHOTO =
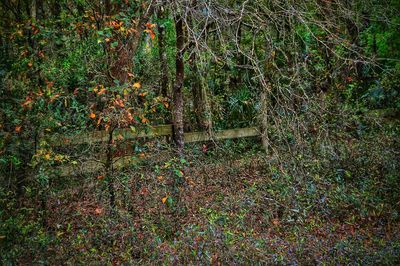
92,166
102,136
220,135
156,131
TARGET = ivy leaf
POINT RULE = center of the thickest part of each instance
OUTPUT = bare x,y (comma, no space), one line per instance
114,44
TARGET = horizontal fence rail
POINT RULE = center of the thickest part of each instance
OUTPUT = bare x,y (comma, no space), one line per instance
91,166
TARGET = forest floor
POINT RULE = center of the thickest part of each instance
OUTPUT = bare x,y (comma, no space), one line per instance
225,211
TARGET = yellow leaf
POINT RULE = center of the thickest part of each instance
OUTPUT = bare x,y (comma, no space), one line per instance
102,91
164,199
137,85
160,178
47,156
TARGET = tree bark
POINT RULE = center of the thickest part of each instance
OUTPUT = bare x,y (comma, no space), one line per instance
264,119
162,55
199,91
108,167
177,90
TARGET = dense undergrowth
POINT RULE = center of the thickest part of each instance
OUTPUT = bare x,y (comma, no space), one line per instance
332,199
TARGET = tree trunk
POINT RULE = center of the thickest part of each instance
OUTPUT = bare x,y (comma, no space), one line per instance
177,90
199,91
264,120
163,55
108,168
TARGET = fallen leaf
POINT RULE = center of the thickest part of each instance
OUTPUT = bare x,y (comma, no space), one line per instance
100,177
98,211
54,97
27,101
92,115
144,191
137,85
102,91
164,199
160,178
99,121
18,129
275,222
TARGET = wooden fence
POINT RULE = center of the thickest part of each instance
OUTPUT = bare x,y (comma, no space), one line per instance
96,137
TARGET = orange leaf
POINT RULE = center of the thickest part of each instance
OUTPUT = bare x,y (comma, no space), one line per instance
160,178
144,191
100,177
98,211
28,101
275,222
152,34
129,115
49,84
54,97
18,129
150,25
102,91
119,103
92,115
